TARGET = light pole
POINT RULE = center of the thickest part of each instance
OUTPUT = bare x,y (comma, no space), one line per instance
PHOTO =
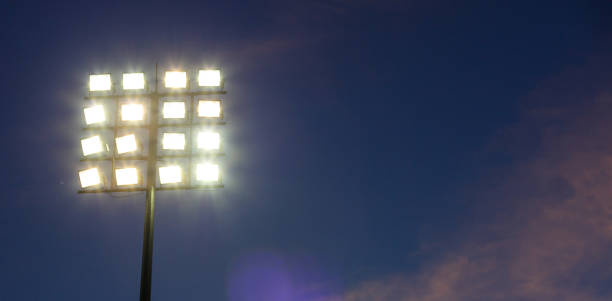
115,124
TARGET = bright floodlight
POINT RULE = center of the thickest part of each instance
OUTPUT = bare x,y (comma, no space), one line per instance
209,140
126,176
89,177
126,144
94,114
170,174
132,112
209,78
133,81
209,108
99,82
207,172
175,141
91,145
174,109
176,79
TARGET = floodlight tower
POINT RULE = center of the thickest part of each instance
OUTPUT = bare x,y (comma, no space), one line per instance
119,118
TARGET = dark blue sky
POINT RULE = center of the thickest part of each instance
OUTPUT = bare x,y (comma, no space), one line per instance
372,146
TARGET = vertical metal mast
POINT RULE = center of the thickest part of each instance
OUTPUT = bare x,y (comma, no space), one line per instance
147,243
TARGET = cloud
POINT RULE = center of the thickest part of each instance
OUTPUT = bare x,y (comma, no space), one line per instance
549,230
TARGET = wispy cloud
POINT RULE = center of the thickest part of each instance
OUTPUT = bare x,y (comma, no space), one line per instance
554,241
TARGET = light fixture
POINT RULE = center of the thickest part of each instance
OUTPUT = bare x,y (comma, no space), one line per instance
209,108
176,79
207,172
94,114
170,174
91,145
126,176
126,144
173,141
209,140
132,112
99,82
141,136
89,177
133,81
174,109
209,78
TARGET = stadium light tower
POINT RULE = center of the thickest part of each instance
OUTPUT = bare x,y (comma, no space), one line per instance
129,146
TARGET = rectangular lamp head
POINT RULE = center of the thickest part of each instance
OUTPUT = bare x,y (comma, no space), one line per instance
91,145
170,174
209,108
94,114
126,144
173,141
133,81
132,112
99,82
209,78
209,140
176,79
126,176
207,172
174,109
90,177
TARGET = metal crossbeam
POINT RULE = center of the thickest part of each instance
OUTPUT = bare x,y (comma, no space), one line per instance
160,94
140,189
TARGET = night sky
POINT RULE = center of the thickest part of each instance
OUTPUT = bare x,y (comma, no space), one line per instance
376,150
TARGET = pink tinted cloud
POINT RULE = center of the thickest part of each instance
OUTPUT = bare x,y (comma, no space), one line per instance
555,243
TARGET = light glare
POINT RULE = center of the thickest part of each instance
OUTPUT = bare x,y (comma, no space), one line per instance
89,177
91,145
209,140
132,112
126,176
126,144
209,78
133,81
207,172
170,174
99,82
174,141
176,79
94,114
209,108
174,109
